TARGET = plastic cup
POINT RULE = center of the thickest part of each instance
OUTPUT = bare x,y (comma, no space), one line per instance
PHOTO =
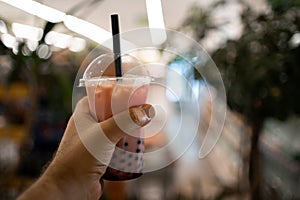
107,96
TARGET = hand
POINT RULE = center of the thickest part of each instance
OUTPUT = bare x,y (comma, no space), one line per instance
75,173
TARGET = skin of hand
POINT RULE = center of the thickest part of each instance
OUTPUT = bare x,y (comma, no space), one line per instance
74,173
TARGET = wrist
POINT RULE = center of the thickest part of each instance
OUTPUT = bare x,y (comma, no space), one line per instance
70,183
62,180
44,188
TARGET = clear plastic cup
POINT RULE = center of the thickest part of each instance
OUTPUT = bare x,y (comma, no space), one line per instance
109,95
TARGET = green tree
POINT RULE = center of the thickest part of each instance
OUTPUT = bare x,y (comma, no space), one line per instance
260,70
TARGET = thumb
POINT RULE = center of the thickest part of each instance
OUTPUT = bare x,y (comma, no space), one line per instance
100,138
127,122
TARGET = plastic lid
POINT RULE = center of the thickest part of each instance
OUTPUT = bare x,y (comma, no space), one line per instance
103,66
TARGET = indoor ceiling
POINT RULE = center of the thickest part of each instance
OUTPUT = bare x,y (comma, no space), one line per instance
132,13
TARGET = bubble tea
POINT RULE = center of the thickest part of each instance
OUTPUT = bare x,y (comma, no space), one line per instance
109,95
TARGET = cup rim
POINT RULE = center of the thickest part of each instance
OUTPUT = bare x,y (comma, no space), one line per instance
95,80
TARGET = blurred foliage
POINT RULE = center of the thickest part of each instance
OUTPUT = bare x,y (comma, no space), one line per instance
50,78
260,69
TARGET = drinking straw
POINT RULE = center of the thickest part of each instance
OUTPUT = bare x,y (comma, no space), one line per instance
116,44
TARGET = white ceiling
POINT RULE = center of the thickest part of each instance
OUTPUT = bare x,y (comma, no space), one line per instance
132,12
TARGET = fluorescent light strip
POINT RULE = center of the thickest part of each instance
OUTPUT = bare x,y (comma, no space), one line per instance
155,14
95,33
27,32
87,29
75,24
156,21
82,27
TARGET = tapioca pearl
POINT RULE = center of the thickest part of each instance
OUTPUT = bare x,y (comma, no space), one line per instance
138,150
130,155
129,164
114,156
112,164
139,141
136,158
126,144
122,161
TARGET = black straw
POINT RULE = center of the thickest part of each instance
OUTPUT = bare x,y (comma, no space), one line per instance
116,44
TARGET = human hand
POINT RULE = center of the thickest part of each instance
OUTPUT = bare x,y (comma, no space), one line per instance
75,173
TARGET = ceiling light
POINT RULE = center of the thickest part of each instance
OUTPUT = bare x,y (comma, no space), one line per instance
87,29
9,40
27,32
63,41
77,44
59,40
156,21
3,28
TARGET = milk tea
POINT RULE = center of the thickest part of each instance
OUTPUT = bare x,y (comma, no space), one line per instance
127,159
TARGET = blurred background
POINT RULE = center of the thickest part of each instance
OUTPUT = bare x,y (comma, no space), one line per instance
255,45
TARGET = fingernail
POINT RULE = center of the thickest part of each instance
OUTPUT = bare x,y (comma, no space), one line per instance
149,110
142,114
